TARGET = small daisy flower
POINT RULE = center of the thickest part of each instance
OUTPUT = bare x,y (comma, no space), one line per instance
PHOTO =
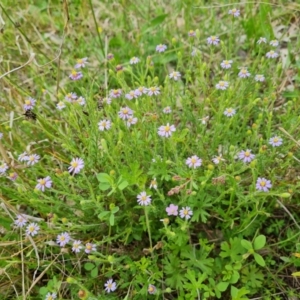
167,110
32,229
153,91
134,60
131,121
3,168
246,156
229,112
234,12
106,100
172,210
80,63
89,247
272,54
204,120
116,93
60,105
166,131
29,103
51,296
226,64
186,213
80,101
151,289
262,40
274,43
141,90
76,246
104,124
260,78
244,73
44,183
20,221
194,162
275,141
222,85
75,75
213,40
217,159
70,97
32,159
110,286
263,184
175,75
23,157
143,199
192,33
131,95
76,165
125,113
153,184
63,239
161,48
12,176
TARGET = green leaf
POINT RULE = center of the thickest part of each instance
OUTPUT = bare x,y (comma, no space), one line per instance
259,259
104,186
246,244
259,242
112,220
103,214
94,273
104,177
89,266
222,286
115,209
123,185
158,20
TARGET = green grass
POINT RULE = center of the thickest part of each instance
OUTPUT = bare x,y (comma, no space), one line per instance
239,242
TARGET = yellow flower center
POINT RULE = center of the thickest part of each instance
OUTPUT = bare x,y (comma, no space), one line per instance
193,160
74,164
125,111
74,73
185,212
42,181
88,247
213,38
275,140
80,61
247,153
167,128
28,102
62,238
262,183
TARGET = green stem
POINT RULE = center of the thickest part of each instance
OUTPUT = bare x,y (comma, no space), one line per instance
148,228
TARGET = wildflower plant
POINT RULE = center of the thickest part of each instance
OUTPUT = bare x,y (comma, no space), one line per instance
163,170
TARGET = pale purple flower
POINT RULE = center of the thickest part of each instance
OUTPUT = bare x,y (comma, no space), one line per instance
161,48
172,210
104,124
116,93
274,43
81,101
13,176
143,199
167,110
192,33
80,63
141,90
272,54
246,156
125,113
131,121
275,141
226,64
213,40
175,75
75,75
76,246
186,213
234,12
20,221
263,184
29,103
222,85
76,165
63,239
110,286
32,229
60,105
260,78
217,159
70,97
32,159
106,100
229,112
89,247
3,168
134,60
51,296
262,40
194,162
152,289
44,183
23,157
153,91
167,130
244,73
153,184
132,94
